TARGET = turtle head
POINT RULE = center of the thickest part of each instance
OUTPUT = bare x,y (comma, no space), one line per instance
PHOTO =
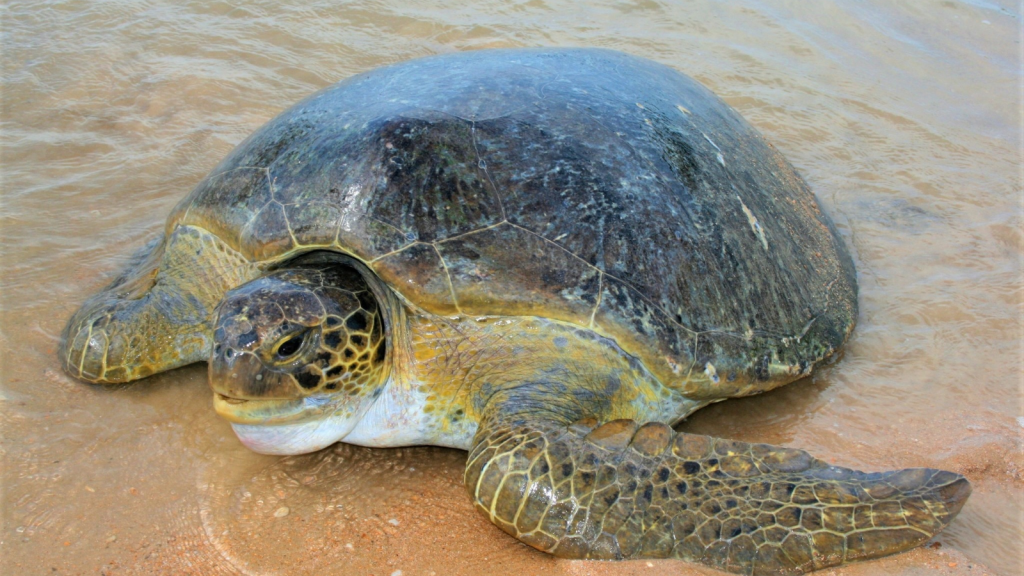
298,357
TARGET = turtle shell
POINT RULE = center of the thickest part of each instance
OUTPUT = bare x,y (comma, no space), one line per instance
587,186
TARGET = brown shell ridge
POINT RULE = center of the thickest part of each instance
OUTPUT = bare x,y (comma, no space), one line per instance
601,275
400,250
448,277
287,222
375,219
782,337
299,248
597,304
184,218
483,166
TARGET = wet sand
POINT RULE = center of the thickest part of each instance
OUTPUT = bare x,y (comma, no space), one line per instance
905,120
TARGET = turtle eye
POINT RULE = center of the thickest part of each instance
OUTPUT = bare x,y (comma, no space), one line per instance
290,346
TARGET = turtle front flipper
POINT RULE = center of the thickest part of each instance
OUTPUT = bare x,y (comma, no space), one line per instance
158,314
626,491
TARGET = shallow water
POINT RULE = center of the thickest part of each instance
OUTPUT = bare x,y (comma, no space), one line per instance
904,117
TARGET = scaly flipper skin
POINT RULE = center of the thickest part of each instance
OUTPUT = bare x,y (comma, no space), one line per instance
623,491
158,314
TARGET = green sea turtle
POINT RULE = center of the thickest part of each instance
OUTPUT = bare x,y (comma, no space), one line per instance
546,257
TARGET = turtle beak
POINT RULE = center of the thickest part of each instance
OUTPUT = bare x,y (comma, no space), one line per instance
270,412
246,392
267,411
242,375
232,373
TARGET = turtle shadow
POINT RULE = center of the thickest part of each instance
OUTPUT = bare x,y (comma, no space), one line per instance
771,417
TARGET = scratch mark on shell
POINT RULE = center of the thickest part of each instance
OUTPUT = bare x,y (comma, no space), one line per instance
754,224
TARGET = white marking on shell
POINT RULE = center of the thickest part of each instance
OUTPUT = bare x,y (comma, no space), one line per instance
754,224
673,365
709,370
721,159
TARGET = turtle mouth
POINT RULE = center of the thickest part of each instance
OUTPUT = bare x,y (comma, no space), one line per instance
285,426
273,411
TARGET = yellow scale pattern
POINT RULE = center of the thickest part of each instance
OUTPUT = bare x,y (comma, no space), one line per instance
157,315
622,491
356,347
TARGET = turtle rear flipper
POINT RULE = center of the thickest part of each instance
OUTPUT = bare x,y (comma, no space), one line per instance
158,314
622,491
